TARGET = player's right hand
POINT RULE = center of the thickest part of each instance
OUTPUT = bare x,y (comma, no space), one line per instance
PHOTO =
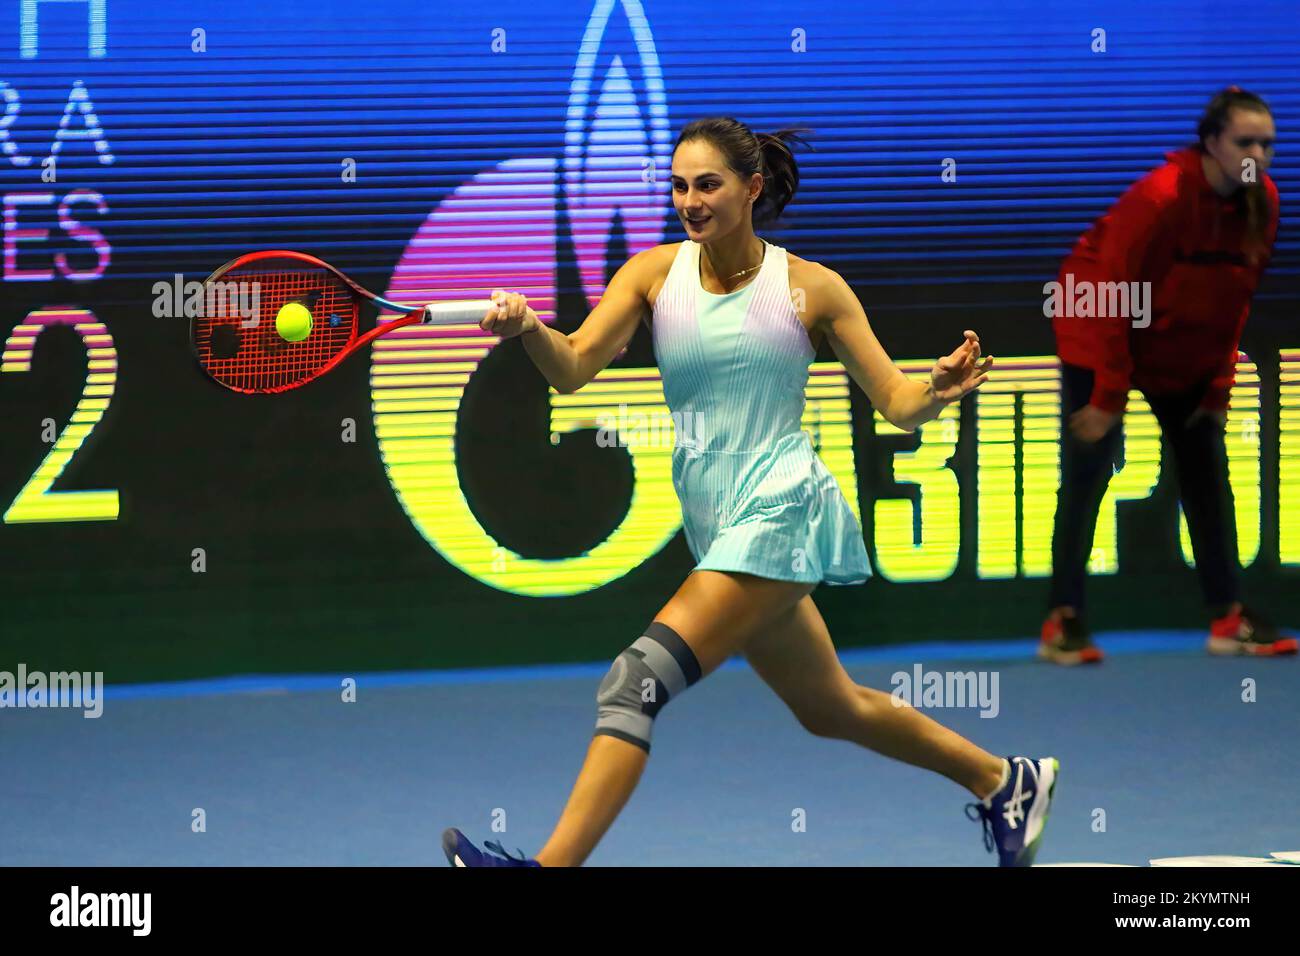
1090,423
511,315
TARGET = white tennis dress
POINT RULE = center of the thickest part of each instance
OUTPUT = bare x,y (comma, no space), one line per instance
755,496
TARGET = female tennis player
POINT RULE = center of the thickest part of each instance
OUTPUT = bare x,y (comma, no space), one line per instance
1199,230
764,518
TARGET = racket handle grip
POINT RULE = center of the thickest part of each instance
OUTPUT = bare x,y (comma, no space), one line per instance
456,313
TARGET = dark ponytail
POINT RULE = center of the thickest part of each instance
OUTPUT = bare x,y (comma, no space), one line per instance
747,153
1254,197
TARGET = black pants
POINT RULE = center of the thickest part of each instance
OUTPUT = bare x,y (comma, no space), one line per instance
1201,461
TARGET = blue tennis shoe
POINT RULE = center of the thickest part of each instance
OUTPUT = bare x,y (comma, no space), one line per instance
1014,817
461,852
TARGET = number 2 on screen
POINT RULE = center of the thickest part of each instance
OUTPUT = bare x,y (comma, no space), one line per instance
35,502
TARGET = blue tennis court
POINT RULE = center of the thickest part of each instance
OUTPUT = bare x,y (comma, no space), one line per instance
1158,738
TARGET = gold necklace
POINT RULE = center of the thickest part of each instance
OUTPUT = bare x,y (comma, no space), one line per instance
742,272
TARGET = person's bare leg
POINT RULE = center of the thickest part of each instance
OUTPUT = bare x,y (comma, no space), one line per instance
608,776
715,613
905,734
796,658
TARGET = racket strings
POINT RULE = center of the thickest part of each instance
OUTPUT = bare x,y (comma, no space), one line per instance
256,357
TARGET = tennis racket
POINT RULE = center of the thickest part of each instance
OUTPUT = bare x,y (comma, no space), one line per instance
254,336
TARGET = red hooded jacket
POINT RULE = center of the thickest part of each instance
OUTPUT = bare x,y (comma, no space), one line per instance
1173,230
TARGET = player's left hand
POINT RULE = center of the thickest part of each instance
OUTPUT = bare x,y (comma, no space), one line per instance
960,373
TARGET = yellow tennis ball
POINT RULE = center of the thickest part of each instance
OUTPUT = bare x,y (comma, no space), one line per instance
293,322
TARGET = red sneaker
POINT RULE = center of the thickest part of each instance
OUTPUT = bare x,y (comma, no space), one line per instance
1247,632
1065,640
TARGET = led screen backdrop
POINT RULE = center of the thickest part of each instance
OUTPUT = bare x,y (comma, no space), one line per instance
433,502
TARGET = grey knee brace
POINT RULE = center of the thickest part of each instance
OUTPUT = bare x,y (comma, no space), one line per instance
658,666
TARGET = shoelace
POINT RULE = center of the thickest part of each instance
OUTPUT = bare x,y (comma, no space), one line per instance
983,816
499,850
